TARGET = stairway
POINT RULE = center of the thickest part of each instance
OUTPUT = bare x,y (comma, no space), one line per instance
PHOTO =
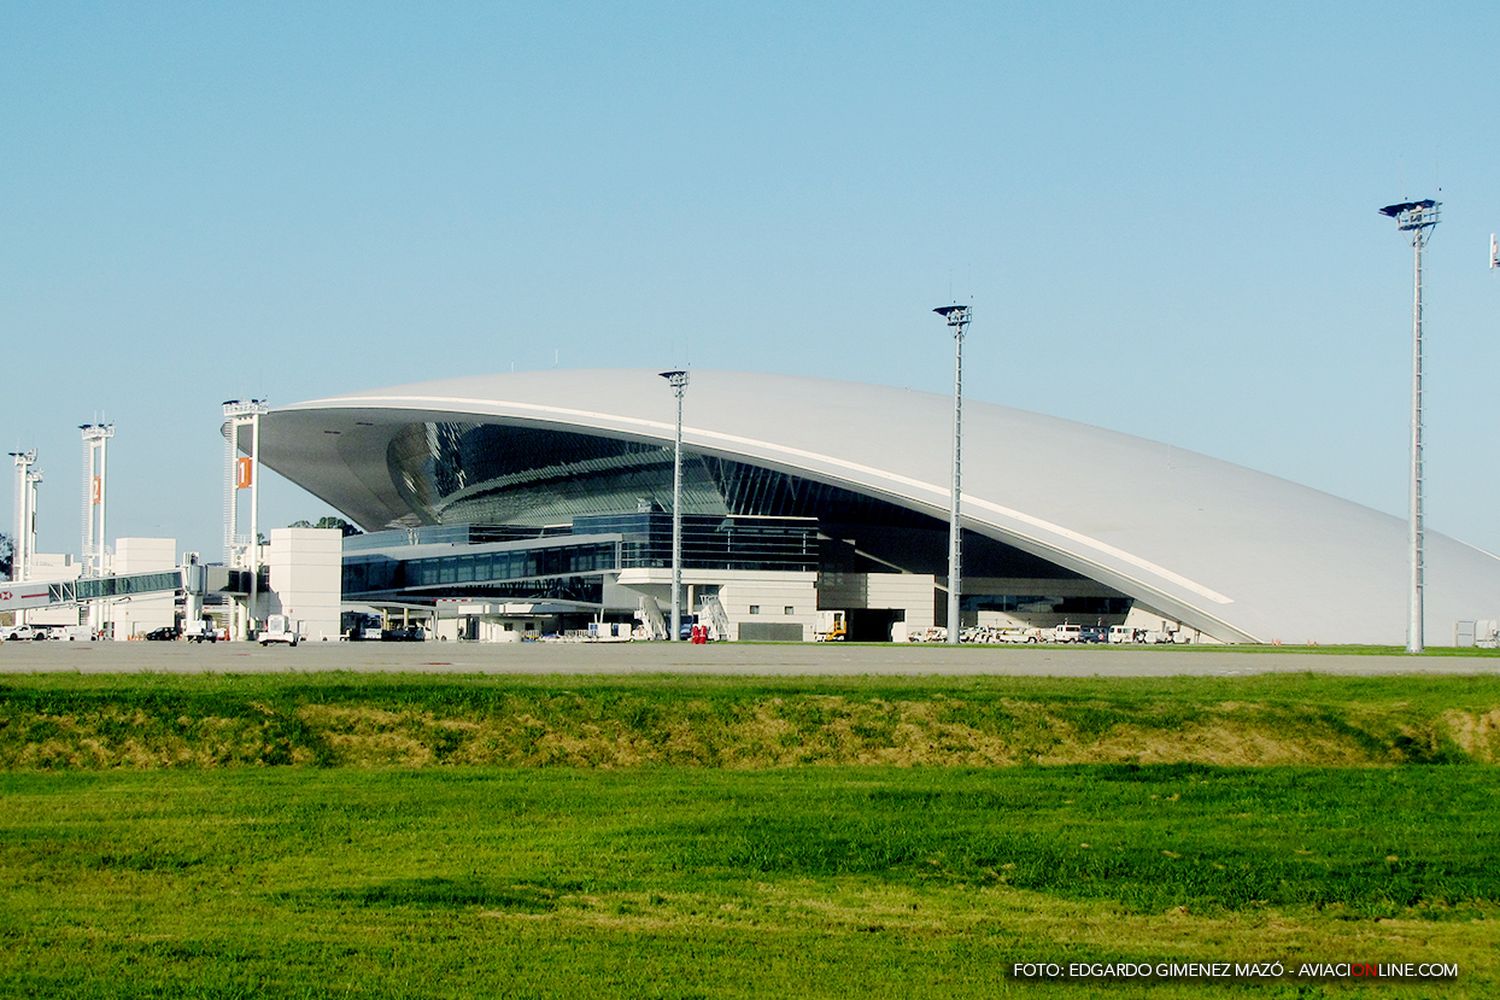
651,616
717,616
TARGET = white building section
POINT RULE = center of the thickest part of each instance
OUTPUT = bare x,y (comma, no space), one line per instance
96,438
305,568
242,475
1232,553
134,616
23,544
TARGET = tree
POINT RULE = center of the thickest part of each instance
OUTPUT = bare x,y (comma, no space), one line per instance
329,522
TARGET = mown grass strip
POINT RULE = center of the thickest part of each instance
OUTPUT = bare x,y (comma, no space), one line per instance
56,721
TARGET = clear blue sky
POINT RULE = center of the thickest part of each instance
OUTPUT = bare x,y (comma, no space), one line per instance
1165,216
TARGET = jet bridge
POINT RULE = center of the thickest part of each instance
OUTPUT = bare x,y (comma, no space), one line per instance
29,594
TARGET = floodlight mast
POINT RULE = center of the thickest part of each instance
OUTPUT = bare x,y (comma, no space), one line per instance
23,546
957,317
679,381
240,551
1417,218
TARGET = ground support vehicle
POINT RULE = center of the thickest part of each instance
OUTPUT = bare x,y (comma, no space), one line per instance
200,632
832,626
281,629
1067,633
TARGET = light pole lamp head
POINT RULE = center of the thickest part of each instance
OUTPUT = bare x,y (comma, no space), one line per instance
238,408
1414,216
956,315
678,378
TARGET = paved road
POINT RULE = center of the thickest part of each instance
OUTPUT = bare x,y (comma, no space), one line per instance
722,658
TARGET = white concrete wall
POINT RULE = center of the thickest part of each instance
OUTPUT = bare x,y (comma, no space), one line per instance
306,579
51,567
739,590
140,615
912,593
766,598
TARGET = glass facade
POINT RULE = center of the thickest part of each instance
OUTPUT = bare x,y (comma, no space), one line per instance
593,546
1088,604
785,544
118,586
480,570
471,484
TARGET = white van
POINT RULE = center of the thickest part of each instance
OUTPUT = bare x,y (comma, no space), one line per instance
1122,634
1066,633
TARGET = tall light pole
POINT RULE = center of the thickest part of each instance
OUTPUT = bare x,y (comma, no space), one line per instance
26,478
679,381
1416,218
23,546
243,473
958,318
95,493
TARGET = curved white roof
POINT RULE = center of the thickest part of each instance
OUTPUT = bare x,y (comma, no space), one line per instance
1237,553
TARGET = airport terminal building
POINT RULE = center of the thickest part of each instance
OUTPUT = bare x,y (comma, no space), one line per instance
507,500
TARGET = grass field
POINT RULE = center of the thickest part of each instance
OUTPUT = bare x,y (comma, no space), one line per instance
449,836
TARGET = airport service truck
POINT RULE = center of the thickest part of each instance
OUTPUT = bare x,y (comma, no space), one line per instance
279,628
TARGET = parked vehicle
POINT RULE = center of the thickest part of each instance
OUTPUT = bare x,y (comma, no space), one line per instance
357,626
1093,633
1067,633
20,633
200,632
279,628
1124,633
832,626
167,633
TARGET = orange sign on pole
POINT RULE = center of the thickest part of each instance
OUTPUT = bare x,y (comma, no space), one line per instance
98,494
242,474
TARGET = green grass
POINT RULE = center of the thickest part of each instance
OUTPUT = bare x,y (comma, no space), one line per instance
446,836
673,882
